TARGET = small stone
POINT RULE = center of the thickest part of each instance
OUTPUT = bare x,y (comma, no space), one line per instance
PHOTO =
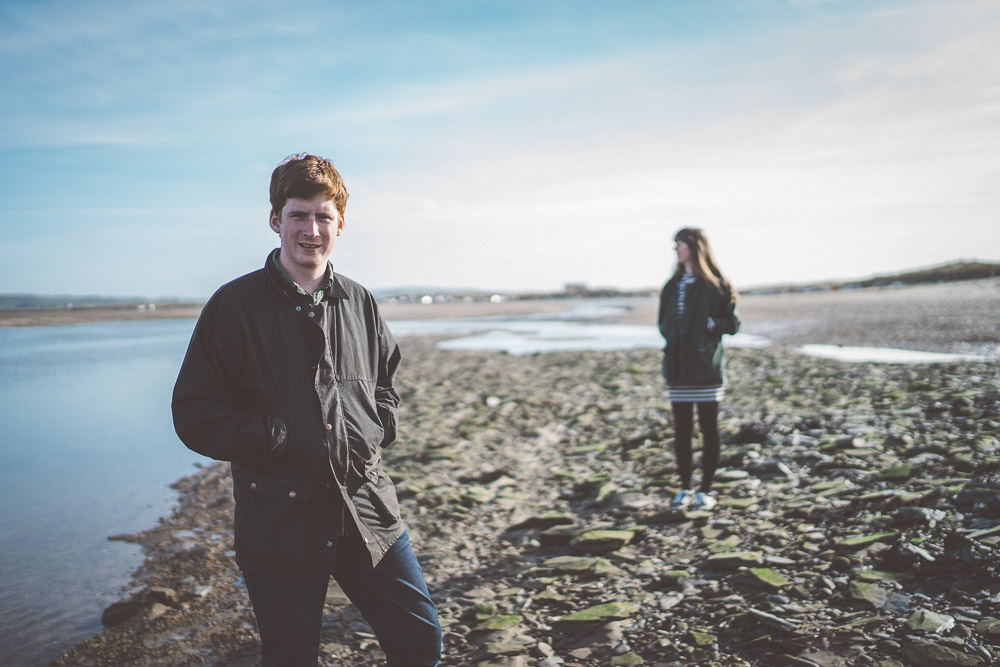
928,621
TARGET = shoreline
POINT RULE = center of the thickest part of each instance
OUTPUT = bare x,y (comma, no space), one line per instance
503,489
957,318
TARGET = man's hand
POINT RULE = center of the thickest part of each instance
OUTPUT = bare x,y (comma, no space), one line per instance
277,437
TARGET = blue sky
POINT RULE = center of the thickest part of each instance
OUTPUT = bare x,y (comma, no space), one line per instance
501,145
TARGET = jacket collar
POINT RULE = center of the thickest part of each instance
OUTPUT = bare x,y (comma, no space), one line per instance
332,289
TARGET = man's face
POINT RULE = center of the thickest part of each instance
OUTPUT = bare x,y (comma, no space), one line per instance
308,229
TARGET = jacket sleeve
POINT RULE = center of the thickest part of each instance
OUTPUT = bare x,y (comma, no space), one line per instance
386,396
662,311
727,321
208,416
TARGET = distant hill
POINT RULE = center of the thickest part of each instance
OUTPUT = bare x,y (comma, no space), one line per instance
951,272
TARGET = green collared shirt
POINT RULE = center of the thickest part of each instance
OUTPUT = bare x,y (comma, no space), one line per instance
324,287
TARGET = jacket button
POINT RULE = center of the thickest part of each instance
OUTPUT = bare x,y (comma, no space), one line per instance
291,494
298,308
329,427
329,544
253,485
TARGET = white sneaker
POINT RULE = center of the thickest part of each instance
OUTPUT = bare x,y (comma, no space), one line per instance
681,500
703,501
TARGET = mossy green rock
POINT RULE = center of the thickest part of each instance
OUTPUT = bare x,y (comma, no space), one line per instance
475,495
602,540
546,520
878,597
602,613
442,454
606,493
897,473
737,503
862,541
583,450
765,576
502,648
731,560
494,623
701,638
923,653
578,565
556,535
630,658
989,628
724,546
484,610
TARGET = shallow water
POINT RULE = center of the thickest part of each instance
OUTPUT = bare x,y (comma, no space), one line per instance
581,329
87,451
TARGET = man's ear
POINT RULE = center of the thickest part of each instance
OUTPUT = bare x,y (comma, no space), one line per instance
340,225
274,219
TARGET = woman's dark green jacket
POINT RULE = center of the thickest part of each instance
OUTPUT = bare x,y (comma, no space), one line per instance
693,354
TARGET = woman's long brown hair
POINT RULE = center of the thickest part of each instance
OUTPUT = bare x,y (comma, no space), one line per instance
702,260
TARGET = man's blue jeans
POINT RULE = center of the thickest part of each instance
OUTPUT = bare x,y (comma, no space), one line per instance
392,597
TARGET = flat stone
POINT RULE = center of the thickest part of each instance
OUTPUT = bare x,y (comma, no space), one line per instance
556,535
578,565
924,653
861,541
928,621
494,623
602,613
599,541
990,628
731,560
765,576
878,597
701,638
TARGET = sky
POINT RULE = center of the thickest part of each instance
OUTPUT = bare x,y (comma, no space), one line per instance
503,145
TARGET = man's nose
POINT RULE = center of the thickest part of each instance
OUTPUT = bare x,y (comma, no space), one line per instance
312,227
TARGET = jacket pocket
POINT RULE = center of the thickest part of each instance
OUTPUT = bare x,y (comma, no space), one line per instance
359,413
376,499
271,513
706,367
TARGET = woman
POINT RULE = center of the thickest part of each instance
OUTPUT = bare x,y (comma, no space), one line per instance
697,306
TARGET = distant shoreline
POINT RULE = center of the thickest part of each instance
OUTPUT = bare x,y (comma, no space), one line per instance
33,317
38,317
955,317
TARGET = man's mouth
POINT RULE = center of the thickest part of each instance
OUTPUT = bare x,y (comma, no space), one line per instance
309,246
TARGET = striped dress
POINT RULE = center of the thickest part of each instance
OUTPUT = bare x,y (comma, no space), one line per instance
692,394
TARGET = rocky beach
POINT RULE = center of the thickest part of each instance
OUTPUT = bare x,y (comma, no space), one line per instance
858,519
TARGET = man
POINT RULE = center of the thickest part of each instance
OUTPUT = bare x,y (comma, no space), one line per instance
289,376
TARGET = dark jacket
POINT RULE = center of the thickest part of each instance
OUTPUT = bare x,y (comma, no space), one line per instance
300,399
693,354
